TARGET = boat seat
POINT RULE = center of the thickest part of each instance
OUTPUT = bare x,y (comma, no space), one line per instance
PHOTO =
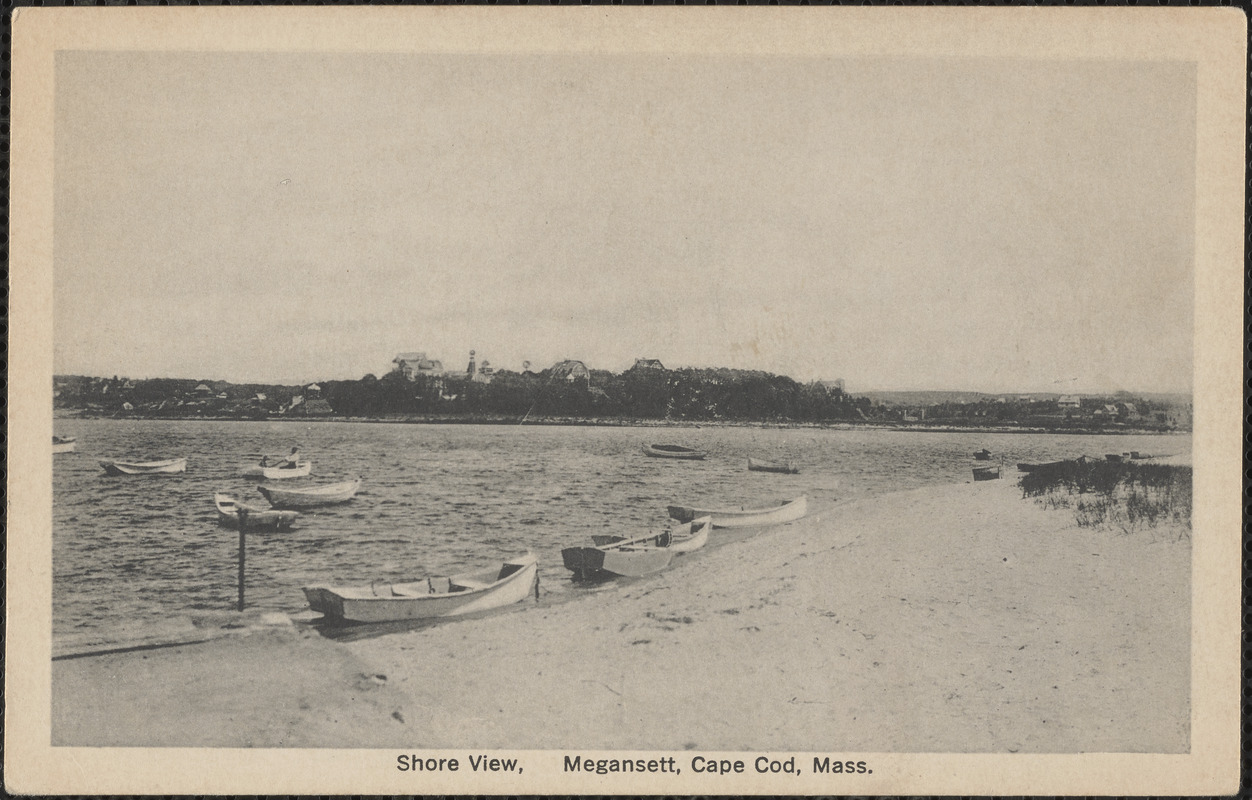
466,584
438,585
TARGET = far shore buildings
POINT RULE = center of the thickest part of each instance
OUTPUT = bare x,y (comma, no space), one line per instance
570,371
410,365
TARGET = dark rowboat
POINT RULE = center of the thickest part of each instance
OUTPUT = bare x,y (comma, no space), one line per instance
983,455
785,467
986,473
673,451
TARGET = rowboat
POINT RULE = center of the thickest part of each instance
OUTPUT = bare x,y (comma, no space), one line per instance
787,511
628,558
986,473
1115,458
258,518
430,597
690,536
316,496
686,537
144,467
785,467
1023,467
982,455
279,472
63,444
673,451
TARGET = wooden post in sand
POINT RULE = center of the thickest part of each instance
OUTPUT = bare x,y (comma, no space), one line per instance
243,526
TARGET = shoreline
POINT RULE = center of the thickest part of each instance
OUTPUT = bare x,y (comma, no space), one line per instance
601,422
958,618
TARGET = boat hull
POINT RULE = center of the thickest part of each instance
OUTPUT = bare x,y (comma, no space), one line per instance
690,536
785,468
259,519
986,473
310,498
673,451
589,563
301,470
145,467
427,599
63,447
745,518
1022,467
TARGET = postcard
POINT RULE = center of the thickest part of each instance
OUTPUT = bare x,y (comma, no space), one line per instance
605,400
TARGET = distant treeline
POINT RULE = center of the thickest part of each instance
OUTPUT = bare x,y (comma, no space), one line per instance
643,394
638,394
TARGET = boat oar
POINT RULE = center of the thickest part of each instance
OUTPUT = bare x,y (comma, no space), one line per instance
536,584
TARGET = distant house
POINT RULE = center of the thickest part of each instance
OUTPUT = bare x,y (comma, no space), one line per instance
410,365
832,386
484,373
313,390
203,390
571,371
1069,401
648,363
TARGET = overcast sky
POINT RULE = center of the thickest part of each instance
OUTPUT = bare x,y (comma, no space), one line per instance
993,225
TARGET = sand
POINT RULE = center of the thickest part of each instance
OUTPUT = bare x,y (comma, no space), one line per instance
950,619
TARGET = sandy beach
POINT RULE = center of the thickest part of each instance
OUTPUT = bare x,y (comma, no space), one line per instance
959,619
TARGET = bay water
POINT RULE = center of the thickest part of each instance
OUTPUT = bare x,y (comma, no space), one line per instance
133,557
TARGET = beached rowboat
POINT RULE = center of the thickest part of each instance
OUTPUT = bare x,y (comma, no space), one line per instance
686,537
628,558
63,444
786,511
982,455
279,472
430,597
258,518
760,465
673,451
986,473
1024,467
145,467
306,498
690,536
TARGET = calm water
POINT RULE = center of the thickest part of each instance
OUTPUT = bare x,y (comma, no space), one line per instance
134,556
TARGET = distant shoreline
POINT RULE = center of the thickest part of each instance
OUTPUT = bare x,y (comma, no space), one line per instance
606,422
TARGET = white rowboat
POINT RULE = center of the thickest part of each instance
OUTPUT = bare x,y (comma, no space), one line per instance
63,444
428,598
145,467
258,518
788,511
278,472
306,498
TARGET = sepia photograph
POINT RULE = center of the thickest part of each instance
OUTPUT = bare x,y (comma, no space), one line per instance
657,401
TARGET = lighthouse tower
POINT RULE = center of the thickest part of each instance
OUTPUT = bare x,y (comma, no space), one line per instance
472,368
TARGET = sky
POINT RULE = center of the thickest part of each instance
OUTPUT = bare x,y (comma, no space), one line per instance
949,224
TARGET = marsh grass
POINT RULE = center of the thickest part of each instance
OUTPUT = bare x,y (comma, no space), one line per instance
1128,495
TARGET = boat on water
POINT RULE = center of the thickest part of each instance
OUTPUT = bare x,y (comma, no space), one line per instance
615,556
761,465
982,455
787,511
673,451
280,471
262,519
167,466
428,598
63,444
986,473
313,496
1115,458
